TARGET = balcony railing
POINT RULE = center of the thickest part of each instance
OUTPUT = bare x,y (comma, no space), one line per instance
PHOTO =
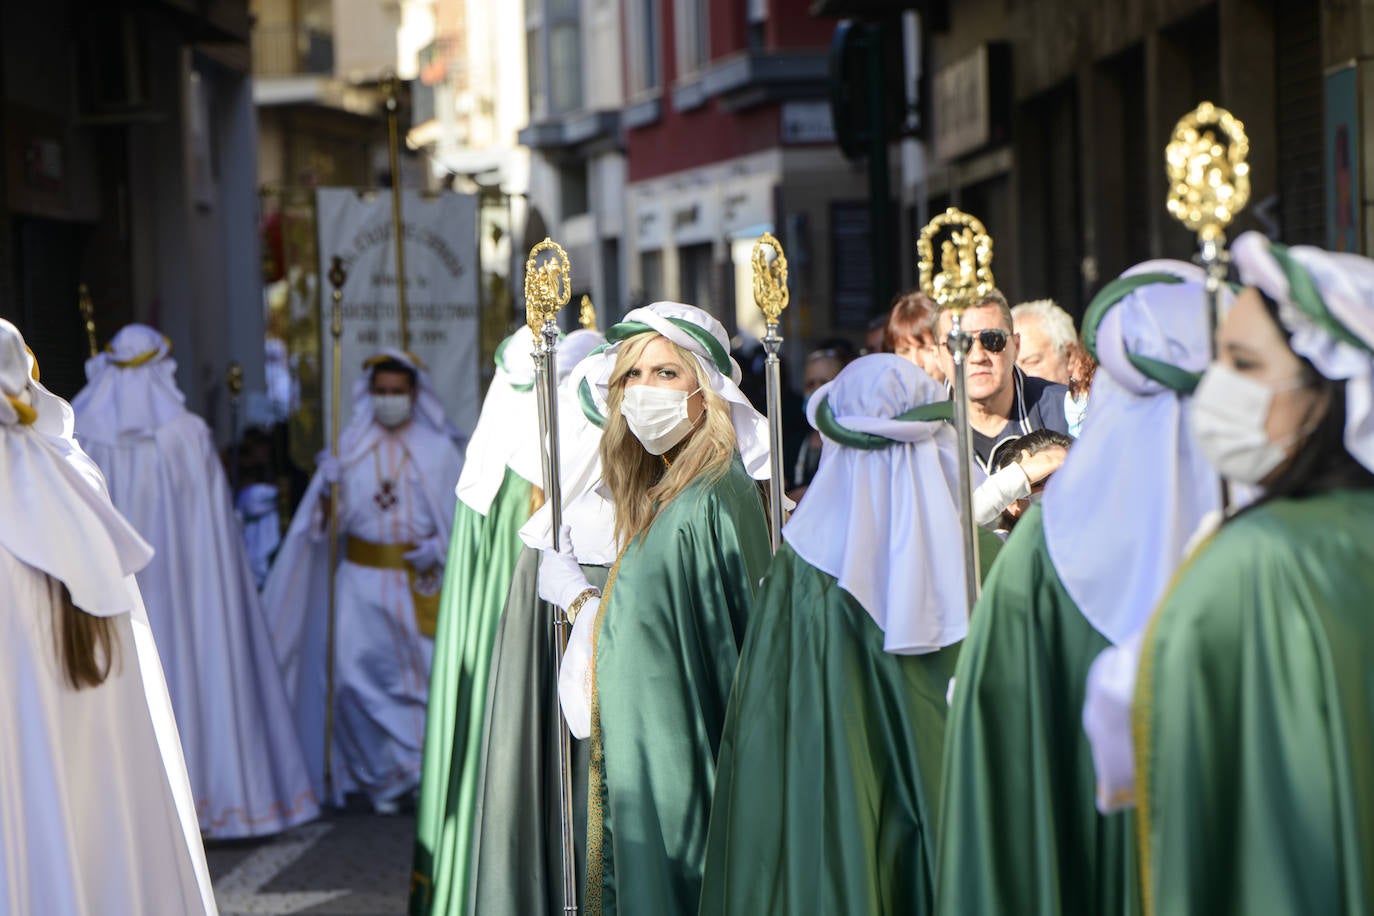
286,51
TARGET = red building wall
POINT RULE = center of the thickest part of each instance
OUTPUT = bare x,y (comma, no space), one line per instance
704,135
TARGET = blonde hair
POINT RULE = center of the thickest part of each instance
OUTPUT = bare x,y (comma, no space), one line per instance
642,485
86,644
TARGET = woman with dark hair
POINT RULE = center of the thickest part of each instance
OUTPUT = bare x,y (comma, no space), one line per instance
910,333
98,815
1253,744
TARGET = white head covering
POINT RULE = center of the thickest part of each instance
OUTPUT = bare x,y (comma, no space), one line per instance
360,433
507,426
131,387
586,511
883,517
1119,513
1326,301
54,515
704,337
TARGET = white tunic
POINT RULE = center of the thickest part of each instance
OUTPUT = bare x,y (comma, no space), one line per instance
88,811
382,679
242,751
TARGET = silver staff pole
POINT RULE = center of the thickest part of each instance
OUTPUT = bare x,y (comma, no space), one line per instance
963,281
1209,183
771,296
547,289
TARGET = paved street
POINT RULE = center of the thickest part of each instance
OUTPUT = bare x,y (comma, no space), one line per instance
346,863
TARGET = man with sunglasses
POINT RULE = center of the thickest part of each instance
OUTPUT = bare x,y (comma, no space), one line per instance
1004,402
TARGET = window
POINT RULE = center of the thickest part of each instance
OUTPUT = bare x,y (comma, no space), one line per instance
641,45
565,66
693,37
535,60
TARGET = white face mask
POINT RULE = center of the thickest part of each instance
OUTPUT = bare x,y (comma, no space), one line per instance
1228,414
391,410
657,416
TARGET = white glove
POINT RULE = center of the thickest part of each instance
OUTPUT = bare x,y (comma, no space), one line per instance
426,555
1107,721
328,467
575,674
561,579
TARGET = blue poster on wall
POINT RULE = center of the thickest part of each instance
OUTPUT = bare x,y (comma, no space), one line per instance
1343,159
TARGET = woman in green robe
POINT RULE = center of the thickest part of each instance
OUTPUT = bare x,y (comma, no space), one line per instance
1254,708
1082,571
650,664
517,857
829,772
493,502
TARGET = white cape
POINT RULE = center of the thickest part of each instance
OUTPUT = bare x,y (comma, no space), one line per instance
97,815
238,735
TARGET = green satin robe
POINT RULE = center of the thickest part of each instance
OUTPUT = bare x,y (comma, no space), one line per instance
666,646
829,773
517,854
1020,832
477,577
1254,718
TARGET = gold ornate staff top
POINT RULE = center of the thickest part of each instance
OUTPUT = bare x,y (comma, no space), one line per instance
548,286
1209,179
770,278
234,379
83,300
965,277
587,315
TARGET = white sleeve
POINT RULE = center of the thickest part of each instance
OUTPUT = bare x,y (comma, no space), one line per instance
999,491
575,674
1107,721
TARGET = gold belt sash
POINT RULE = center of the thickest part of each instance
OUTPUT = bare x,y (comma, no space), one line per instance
392,556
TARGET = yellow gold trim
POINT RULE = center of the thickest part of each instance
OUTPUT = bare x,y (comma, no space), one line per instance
27,415
377,556
577,603
376,359
1142,714
142,358
596,771
33,373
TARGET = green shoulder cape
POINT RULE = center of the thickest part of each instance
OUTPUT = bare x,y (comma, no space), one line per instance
1254,718
517,853
481,559
1020,831
829,772
666,646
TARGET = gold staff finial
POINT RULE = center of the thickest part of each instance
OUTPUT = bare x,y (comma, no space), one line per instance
548,286
234,379
965,276
770,278
587,316
1209,179
83,300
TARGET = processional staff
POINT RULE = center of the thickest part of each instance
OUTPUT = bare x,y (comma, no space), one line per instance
548,287
963,281
233,380
771,296
83,301
1209,183
391,88
337,276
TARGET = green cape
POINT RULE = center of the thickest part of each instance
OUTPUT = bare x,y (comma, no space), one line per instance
829,769
666,646
517,854
1020,831
1254,718
481,559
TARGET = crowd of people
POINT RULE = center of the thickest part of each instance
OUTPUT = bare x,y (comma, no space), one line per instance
1159,703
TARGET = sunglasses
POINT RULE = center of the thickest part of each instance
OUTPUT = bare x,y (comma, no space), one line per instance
994,340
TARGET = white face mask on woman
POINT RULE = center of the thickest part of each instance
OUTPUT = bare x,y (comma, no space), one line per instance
391,410
1228,415
657,416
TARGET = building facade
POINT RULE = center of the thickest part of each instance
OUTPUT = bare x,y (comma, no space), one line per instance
129,165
